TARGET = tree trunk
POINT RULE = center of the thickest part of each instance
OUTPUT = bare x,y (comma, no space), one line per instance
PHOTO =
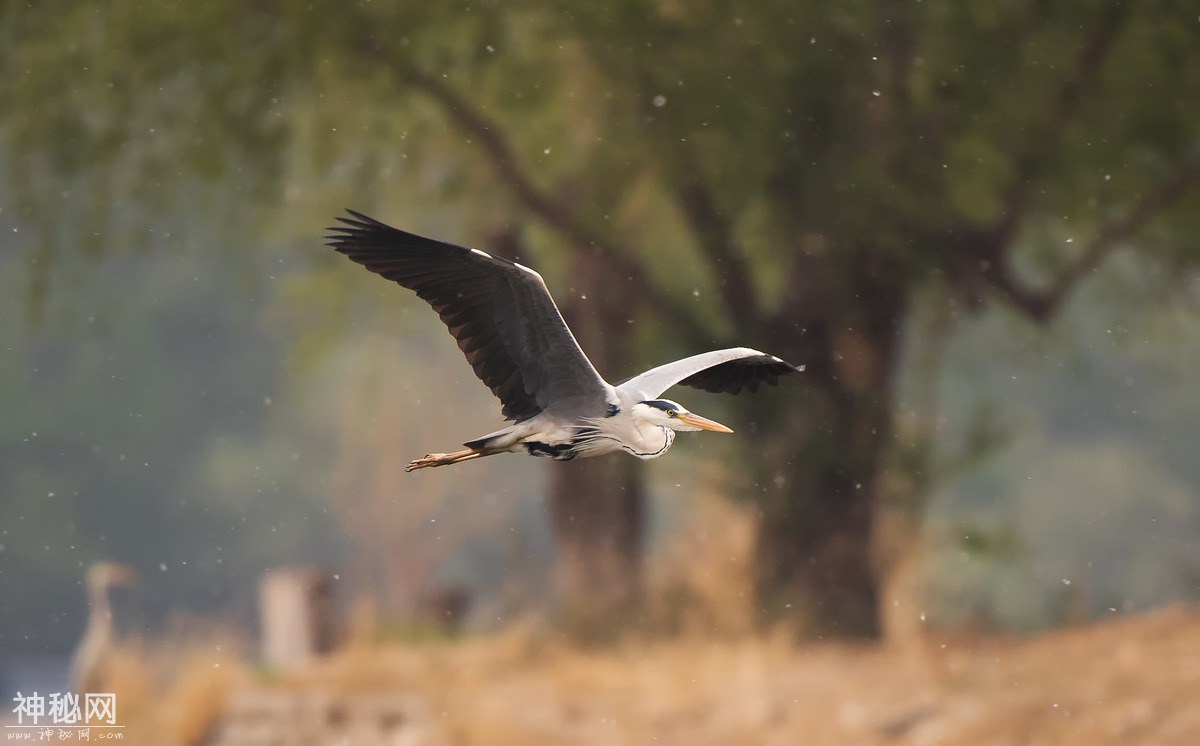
814,556
814,546
597,506
597,510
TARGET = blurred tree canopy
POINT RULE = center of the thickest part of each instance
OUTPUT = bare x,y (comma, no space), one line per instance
788,176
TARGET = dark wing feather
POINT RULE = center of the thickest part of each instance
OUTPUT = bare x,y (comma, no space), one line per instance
500,312
737,375
730,371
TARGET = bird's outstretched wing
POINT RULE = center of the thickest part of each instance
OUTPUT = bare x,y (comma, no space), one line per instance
500,312
729,371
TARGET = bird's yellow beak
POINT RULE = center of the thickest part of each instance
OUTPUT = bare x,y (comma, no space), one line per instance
703,423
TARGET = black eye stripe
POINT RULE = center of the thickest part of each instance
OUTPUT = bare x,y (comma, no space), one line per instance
669,407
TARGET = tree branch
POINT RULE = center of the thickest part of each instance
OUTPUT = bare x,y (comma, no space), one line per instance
555,214
896,38
725,257
1047,139
1041,305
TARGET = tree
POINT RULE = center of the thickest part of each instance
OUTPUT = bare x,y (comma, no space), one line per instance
815,170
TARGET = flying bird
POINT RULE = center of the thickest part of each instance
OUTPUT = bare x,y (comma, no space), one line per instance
515,339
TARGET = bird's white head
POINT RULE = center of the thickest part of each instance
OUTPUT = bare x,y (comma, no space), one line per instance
668,414
107,574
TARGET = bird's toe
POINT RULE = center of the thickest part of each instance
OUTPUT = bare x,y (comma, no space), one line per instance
426,461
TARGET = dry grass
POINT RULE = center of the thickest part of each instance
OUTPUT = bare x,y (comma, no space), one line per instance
1130,680
172,692
696,582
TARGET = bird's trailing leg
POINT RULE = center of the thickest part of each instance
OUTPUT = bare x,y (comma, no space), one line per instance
442,459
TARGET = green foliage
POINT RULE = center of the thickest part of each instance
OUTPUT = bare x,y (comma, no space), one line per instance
119,438
1096,484
871,125
793,173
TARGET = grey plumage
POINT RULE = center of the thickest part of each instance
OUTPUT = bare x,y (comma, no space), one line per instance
513,335
720,371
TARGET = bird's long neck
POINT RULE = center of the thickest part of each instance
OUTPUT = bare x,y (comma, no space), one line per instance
652,441
100,621
87,668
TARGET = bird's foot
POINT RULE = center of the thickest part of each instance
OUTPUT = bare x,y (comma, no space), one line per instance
441,459
429,460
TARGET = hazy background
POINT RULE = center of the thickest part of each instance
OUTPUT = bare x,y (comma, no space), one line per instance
192,383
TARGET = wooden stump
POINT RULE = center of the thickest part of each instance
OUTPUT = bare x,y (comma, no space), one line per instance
297,615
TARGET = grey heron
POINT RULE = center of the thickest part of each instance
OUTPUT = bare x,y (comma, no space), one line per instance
90,663
505,322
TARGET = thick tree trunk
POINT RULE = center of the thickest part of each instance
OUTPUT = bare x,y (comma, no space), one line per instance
597,506
814,551
815,545
597,510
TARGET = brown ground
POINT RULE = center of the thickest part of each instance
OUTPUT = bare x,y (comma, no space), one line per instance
1131,680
